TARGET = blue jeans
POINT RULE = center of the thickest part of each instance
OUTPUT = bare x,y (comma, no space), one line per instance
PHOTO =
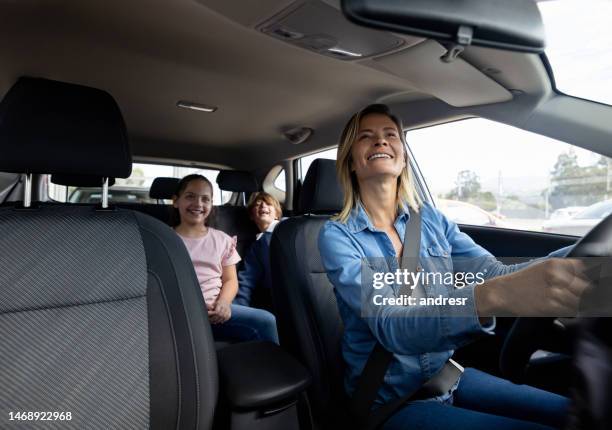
247,324
485,402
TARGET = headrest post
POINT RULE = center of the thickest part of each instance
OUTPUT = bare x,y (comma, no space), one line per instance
104,193
27,190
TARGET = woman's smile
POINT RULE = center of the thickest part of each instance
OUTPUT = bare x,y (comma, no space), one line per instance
378,149
379,156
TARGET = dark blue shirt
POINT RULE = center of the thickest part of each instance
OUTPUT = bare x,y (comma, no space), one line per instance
255,272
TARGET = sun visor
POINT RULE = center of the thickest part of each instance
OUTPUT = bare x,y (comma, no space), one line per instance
457,83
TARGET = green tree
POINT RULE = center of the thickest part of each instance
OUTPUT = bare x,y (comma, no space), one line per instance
575,185
468,189
467,186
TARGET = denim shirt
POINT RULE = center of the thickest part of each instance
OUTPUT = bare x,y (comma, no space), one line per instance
421,338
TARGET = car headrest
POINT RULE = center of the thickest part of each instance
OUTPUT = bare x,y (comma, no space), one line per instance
321,192
59,128
235,180
163,188
80,180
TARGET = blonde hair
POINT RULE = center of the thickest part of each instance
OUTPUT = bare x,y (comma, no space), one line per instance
269,199
406,189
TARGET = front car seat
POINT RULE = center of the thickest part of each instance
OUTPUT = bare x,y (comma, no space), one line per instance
101,315
307,316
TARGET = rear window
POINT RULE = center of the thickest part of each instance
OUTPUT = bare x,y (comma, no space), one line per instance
135,189
305,162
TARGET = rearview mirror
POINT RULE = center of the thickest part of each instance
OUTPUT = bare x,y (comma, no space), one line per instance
505,24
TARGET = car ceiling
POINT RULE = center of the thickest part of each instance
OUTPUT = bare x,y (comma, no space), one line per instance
149,54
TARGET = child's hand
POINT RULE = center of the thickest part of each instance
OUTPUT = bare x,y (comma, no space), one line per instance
220,313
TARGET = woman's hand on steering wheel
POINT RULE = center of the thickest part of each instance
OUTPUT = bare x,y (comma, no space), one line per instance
548,288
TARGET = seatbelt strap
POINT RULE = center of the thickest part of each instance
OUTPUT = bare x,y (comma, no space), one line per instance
375,368
378,362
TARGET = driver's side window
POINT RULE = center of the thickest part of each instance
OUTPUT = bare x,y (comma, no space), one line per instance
481,172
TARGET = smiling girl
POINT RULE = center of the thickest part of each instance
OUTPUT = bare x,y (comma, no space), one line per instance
214,257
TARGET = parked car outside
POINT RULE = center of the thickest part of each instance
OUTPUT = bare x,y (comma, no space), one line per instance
467,213
582,222
566,213
115,195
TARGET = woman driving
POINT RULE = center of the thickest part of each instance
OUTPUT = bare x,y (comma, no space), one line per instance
379,200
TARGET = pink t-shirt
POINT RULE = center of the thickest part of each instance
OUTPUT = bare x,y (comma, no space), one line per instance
209,254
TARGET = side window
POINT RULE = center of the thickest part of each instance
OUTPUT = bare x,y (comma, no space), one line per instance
305,162
485,173
135,189
279,182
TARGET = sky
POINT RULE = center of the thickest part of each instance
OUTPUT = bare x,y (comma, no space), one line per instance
523,159
578,44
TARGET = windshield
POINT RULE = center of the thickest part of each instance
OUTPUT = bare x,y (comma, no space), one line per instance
578,41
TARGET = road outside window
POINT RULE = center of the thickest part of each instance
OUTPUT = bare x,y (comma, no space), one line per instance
485,173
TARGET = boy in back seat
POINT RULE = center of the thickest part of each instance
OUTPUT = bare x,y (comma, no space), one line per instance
255,277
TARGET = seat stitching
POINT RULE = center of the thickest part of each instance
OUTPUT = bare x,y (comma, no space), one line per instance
42,308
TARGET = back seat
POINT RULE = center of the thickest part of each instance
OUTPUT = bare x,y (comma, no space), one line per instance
162,188
235,220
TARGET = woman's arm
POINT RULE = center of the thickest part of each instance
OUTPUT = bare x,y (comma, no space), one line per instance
400,329
545,286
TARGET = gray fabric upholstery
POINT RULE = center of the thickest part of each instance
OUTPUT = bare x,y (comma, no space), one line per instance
101,313
58,360
97,255
191,341
73,316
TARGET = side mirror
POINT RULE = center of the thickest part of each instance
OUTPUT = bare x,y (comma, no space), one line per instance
512,25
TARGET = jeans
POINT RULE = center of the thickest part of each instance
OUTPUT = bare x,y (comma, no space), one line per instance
247,324
485,402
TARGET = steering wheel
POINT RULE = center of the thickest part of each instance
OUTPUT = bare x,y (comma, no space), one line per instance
528,333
